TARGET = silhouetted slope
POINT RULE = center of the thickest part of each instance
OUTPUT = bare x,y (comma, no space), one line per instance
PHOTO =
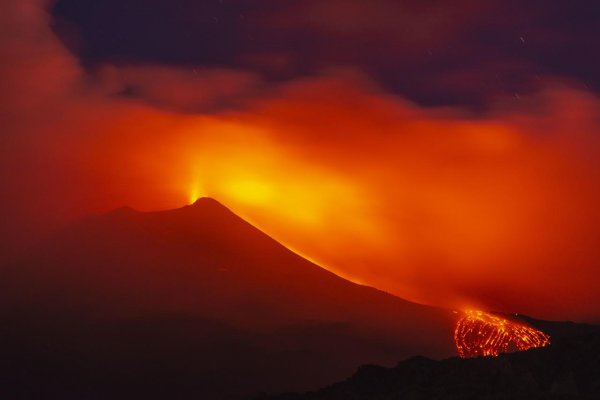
197,302
559,329
568,369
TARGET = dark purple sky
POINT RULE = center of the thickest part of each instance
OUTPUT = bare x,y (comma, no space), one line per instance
462,52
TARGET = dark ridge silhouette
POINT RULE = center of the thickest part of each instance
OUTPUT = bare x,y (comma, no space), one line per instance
567,369
192,303
558,329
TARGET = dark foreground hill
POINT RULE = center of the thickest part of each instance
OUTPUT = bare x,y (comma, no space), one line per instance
192,303
567,369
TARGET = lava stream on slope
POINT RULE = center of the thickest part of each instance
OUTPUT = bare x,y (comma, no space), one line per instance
479,334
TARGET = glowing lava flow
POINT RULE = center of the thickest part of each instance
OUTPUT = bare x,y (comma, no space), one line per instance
481,334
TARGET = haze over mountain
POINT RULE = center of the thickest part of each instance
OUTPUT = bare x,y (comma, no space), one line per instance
192,302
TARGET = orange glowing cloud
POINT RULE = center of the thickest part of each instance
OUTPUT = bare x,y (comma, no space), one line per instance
442,208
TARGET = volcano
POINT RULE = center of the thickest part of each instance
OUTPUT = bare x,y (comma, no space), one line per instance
192,303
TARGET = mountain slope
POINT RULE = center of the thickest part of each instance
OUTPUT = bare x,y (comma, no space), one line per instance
199,275
567,369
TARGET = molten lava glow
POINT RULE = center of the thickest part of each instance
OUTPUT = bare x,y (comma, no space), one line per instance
481,334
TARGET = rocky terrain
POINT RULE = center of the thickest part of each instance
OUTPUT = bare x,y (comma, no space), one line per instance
567,369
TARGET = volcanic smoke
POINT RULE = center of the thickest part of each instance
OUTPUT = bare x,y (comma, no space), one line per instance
482,334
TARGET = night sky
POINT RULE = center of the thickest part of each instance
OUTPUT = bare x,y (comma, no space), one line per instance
434,53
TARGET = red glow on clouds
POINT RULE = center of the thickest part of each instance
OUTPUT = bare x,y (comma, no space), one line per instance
434,205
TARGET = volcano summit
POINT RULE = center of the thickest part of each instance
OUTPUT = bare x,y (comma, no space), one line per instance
192,302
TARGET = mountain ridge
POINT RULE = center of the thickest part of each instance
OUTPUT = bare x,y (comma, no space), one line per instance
567,369
201,262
